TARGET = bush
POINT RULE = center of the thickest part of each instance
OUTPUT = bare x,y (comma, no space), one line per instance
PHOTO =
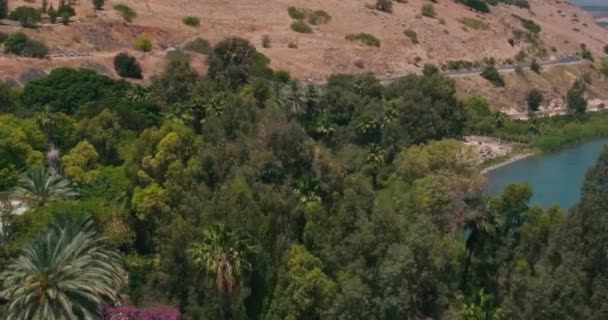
192,21
19,44
318,17
384,5
575,98
292,45
266,42
478,5
428,10
491,74
474,23
534,99
125,11
296,13
534,66
366,38
606,49
127,66
143,43
412,35
199,45
301,27
98,4
530,26
27,16
430,70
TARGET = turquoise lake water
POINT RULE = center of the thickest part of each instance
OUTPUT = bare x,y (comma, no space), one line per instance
555,178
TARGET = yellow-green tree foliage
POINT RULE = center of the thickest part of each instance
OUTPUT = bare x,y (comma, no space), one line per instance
80,164
21,146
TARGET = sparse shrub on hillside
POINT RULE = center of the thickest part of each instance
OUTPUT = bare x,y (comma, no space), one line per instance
384,5
477,5
511,42
534,99
366,38
192,21
127,66
430,70
266,42
585,53
65,10
606,49
318,17
575,98
27,16
428,10
535,66
282,75
301,27
604,67
125,11
3,9
412,35
296,13
52,14
19,44
142,43
459,65
292,45
491,74
199,45
531,26
98,4
474,23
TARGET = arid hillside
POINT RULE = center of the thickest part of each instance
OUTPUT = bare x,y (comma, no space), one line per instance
446,36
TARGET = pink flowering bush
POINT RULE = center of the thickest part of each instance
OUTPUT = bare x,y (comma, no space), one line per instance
134,313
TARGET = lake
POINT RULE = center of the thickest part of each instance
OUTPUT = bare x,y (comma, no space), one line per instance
555,178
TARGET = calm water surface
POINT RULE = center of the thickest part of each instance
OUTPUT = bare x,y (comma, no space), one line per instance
555,178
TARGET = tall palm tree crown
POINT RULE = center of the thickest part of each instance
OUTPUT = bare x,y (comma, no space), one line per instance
66,273
40,185
223,253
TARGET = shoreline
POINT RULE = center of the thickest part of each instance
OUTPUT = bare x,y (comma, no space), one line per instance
507,161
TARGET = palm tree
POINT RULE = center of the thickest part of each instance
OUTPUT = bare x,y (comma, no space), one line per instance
480,226
223,253
375,160
39,186
294,99
46,121
68,272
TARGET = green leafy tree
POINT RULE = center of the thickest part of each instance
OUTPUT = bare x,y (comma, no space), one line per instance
534,99
575,97
27,16
80,164
102,131
176,83
303,290
232,61
127,66
65,273
4,11
39,186
21,143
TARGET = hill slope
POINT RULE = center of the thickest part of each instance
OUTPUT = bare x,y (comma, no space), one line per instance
564,27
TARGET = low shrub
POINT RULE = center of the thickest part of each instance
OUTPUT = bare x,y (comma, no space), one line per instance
125,11
199,45
366,38
428,10
192,21
318,17
142,43
19,44
474,23
27,16
412,35
301,27
491,74
266,42
296,13
127,66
